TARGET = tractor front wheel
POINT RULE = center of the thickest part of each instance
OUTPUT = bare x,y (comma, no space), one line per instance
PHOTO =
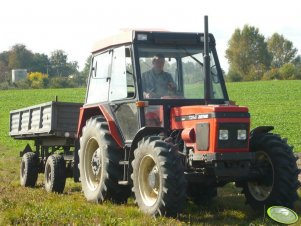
277,164
158,178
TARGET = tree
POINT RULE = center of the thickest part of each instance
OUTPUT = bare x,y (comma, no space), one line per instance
20,57
297,61
72,68
4,71
60,66
272,74
86,70
281,50
40,63
233,76
288,71
247,53
4,57
58,60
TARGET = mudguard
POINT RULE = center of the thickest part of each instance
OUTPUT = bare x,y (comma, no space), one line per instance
146,131
99,110
261,130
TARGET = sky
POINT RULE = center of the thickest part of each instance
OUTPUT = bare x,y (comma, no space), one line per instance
74,26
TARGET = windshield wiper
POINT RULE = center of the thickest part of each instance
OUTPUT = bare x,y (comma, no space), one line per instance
190,55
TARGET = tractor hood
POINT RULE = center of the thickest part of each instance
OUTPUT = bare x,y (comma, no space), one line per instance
188,116
213,128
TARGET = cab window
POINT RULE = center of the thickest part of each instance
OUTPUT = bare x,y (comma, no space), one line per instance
98,86
122,83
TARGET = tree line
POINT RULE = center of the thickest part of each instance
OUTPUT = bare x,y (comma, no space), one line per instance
43,70
251,56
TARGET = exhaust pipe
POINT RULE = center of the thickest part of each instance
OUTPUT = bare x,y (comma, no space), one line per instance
207,89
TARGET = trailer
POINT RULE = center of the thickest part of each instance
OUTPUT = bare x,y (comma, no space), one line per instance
52,127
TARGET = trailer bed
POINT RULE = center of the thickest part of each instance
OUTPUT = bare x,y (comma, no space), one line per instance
51,119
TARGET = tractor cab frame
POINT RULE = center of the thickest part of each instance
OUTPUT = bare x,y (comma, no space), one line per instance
117,83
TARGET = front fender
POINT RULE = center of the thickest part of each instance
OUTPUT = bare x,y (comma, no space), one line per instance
143,132
261,130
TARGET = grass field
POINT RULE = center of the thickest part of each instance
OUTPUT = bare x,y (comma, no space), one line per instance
275,103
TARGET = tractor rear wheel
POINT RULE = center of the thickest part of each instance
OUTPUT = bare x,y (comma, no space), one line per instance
99,166
158,178
279,184
55,174
29,169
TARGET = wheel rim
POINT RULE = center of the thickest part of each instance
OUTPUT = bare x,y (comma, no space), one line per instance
262,189
48,174
93,164
149,180
22,169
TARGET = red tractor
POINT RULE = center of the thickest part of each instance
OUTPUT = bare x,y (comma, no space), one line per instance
181,144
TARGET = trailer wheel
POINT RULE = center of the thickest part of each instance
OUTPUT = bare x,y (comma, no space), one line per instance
99,164
158,178
280,182
201,194
55,174
29,169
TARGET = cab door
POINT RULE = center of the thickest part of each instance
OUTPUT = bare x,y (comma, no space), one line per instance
98,83
122,93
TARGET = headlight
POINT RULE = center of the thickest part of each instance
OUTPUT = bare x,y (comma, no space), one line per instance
223,134
241,134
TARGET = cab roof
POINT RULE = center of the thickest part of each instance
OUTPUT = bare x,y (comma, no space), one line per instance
155,35
125,36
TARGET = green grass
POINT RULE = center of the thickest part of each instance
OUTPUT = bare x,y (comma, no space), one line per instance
275,103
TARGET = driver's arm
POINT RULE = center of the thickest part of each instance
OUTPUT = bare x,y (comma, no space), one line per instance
171,85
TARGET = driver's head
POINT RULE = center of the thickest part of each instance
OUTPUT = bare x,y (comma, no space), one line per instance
158,63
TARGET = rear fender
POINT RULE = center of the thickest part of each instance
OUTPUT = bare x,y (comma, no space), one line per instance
88,112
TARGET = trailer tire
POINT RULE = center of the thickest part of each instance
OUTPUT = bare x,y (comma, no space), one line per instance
55,174
158,178
99,166
280,183
29,169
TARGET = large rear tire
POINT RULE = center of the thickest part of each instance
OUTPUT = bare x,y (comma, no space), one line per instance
158,178
29,169
99,165
55,174
279,185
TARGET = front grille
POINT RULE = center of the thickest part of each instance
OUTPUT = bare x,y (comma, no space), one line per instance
232,141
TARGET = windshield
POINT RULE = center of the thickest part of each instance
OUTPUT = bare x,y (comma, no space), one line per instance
176,73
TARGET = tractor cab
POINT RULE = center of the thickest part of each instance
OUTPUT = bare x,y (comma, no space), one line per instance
123,76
